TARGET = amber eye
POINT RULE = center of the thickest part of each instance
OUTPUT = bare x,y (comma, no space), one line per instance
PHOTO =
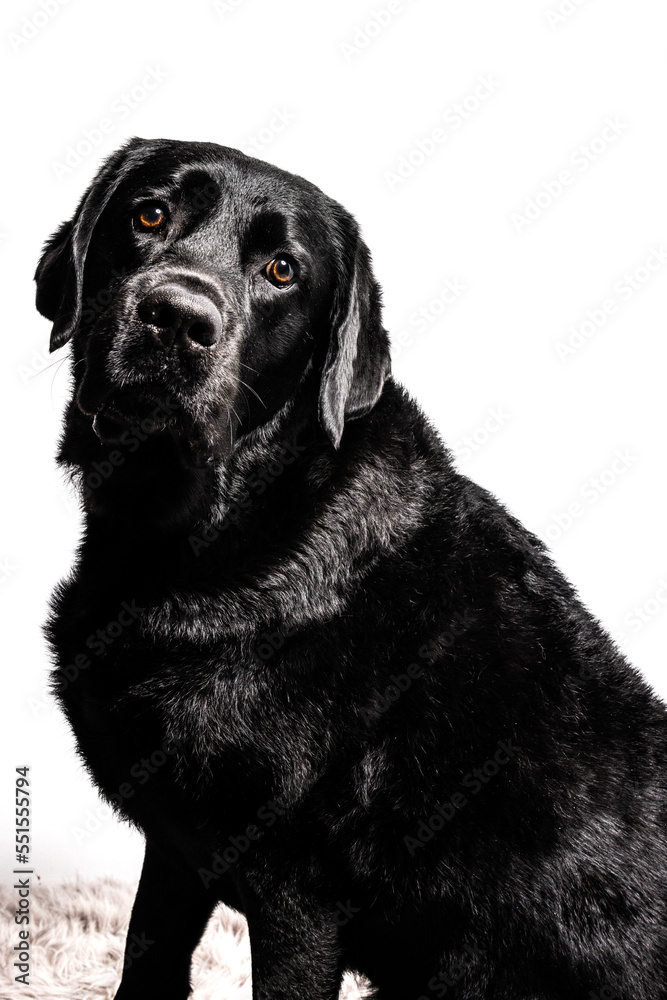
279,272
150,216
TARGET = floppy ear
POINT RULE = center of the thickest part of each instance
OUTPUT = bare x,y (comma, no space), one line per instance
59,274
357,361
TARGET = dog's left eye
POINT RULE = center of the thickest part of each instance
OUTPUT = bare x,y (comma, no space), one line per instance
280,272
150,216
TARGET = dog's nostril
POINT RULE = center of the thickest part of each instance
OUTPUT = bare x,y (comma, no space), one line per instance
157,314
202,333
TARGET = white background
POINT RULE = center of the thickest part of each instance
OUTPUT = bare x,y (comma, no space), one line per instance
353,100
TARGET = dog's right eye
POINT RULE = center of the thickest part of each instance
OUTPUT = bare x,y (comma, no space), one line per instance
150,216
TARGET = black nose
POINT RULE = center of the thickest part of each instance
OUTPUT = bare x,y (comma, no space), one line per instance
177,314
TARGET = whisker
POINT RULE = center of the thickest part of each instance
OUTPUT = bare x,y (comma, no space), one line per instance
229,424
253,392
58,361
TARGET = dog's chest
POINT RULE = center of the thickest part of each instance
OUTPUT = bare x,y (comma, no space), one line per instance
178,726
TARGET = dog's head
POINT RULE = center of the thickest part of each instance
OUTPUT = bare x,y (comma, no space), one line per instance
200,287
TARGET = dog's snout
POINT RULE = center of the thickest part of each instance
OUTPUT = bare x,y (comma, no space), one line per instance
177,314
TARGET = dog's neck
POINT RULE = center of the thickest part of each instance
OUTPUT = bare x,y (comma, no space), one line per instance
165,484
288,512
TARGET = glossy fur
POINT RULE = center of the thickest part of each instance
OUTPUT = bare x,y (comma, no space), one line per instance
335,683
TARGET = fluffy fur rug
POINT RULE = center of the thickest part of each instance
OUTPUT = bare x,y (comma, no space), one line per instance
77,935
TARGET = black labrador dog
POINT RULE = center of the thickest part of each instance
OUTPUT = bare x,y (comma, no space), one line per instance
334,682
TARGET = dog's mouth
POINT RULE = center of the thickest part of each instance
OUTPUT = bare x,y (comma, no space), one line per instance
141,400
110,424
201,428
125,412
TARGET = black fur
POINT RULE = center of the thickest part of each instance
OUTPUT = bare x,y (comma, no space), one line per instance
334,682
